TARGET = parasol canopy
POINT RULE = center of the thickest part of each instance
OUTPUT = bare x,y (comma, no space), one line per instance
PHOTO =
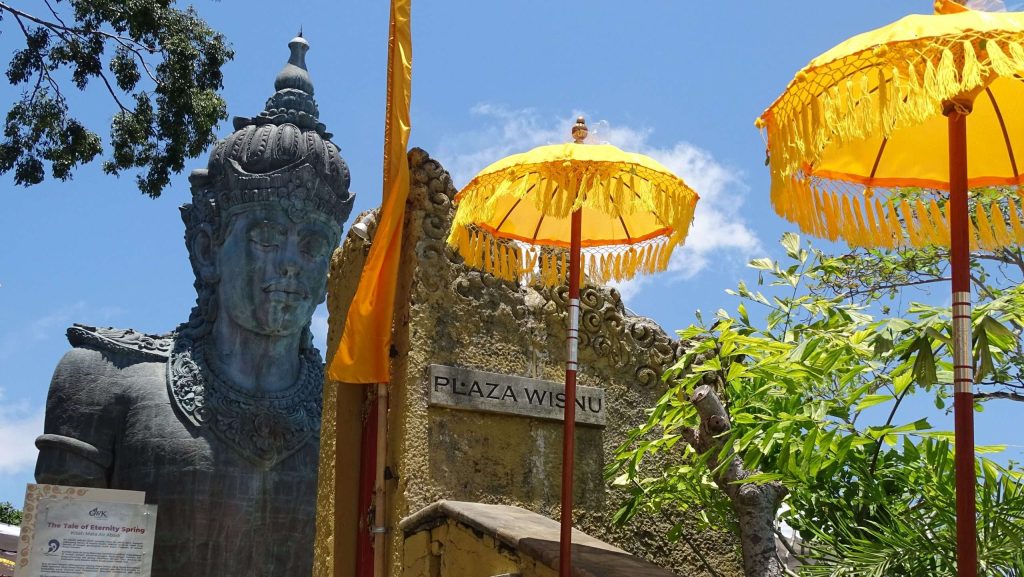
858,121
634,213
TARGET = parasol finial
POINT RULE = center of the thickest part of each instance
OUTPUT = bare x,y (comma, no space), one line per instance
579,130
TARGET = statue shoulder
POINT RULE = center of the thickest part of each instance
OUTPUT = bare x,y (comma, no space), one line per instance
143,346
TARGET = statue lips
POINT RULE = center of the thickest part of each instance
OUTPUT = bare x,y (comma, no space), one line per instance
286,291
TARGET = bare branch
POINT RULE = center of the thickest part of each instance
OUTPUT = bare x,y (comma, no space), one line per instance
55,14
786,543
1001,395
42,69
60,30
77,31
895,285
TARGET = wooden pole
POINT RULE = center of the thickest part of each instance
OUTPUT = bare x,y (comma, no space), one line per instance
367,478
569,425
380,513
963,370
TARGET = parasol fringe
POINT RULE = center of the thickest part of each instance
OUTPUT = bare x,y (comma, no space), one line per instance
930,79
816,212
1001,233
987,241
845,218
1017,53
974,244
970,75
929,232
866,107
832,216
946,77
913,231
614,190
893,222
886,237
1001,64
872,236
884,103
1015,224
859,228
941,224
908,88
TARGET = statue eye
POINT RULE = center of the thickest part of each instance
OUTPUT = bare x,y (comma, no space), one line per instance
314,246
266,235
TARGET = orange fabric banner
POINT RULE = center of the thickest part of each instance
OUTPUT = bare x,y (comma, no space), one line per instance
362,356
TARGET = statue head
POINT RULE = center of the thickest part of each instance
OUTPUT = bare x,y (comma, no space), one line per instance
267,213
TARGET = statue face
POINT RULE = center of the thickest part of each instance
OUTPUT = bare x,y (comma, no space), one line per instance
272,269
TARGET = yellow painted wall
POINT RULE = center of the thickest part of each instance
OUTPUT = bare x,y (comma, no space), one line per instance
454,550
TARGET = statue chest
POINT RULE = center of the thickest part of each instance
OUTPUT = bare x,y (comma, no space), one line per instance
233,514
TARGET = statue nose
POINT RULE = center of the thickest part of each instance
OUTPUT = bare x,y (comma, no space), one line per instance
288,259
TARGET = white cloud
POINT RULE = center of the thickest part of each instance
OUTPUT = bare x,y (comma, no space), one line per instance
718,232
19,427
52,325
987,5
506,132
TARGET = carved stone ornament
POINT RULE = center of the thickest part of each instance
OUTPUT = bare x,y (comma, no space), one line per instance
153,347
265,428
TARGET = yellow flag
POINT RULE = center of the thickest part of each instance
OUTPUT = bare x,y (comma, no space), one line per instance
362,356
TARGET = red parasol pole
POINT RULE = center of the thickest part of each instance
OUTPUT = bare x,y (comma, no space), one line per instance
963,370
579,134
569,426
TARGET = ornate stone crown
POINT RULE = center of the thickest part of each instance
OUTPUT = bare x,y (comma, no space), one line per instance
283,155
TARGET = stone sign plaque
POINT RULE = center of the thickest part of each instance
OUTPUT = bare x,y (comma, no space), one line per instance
474,390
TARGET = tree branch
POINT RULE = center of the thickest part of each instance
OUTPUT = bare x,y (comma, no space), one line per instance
41,69
77,31
1001,395
892,414
896,285
755,504
55,14
786,543
981,286
59,30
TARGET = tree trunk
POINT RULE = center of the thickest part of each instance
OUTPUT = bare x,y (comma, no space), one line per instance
755,504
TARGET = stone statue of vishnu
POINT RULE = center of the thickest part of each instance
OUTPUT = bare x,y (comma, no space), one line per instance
219,421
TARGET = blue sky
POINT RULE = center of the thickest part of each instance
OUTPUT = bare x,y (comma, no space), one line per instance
681,81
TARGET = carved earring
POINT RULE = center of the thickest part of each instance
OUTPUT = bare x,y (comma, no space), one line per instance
202,248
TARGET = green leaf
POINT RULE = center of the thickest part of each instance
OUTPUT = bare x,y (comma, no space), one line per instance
791,242
984,356
924,364
872,400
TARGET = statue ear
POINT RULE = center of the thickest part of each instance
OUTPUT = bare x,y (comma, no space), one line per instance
204,252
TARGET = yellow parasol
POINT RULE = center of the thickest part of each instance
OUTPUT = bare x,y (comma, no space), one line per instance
886,110
614,212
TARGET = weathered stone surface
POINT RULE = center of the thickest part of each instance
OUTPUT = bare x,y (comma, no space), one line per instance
449,314
219,421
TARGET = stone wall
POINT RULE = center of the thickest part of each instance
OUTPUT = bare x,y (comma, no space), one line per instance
449,314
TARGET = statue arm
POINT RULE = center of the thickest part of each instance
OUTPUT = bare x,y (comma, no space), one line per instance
82,421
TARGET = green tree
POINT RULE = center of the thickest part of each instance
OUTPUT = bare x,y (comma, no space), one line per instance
160,65
805,406
9,514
